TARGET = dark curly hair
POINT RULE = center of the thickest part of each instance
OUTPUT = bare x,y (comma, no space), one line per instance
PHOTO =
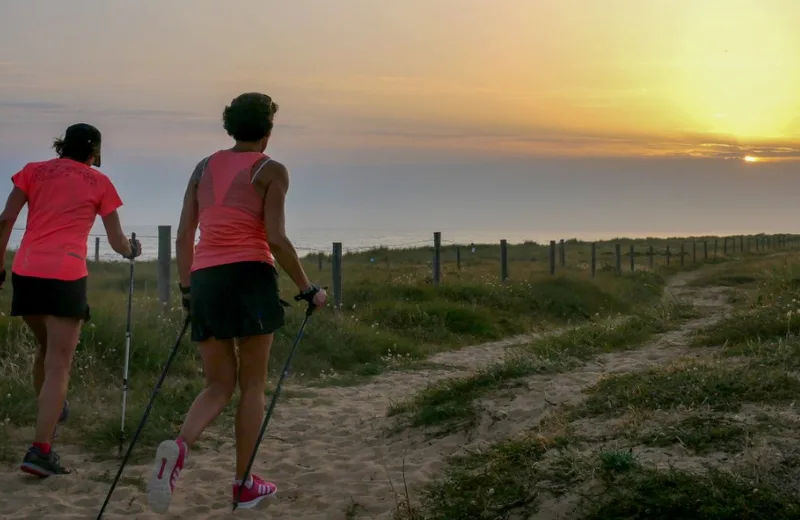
80,142
249,117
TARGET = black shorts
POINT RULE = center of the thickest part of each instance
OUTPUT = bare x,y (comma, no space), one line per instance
235,300
34,296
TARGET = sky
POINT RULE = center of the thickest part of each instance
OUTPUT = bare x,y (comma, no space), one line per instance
546,118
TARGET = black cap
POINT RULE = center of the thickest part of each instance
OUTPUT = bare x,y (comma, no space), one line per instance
83,132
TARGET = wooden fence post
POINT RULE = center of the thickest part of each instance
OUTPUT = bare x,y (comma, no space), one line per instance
503,260
683,253
651,260
668,255
694,251
319,261
594,258
458,257
618,254
705,250
552,257
715,248
633,261
562,253
725,246
437,258
164,264
336,275
741,244
97,252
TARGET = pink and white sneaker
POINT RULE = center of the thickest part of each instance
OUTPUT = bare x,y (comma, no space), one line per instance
255,490
170,459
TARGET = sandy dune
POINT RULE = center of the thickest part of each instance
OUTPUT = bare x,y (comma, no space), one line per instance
328,454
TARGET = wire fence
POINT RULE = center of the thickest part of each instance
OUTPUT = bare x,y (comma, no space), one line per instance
605,256
100,250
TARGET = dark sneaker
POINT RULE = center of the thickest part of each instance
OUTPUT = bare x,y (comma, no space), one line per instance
41,465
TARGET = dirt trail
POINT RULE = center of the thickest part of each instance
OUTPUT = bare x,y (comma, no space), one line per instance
328,454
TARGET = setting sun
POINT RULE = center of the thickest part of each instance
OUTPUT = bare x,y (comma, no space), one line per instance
750,158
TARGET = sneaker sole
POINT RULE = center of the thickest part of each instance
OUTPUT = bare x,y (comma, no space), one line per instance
253,503
33,469
159,493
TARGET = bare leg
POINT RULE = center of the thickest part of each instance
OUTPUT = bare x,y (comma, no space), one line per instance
219,366
254,356
62,339
39,330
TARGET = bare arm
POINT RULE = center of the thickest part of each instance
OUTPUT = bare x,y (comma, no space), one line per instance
187,228
116,237
276,179
14,204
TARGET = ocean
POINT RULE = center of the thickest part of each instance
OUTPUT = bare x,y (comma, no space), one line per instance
320,240
306,241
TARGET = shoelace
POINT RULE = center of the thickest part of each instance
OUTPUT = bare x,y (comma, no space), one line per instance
173,478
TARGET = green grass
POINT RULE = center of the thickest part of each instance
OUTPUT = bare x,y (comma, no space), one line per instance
450,405
492,484
736,400
649,494
716,386
392,318
513,478
703,434
771,311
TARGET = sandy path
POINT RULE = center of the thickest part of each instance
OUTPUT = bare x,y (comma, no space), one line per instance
328,454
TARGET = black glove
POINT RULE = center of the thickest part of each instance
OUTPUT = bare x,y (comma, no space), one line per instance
308,296
136,249
2,277
186,298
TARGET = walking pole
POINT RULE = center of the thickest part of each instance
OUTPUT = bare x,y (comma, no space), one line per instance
277,393
146,414
127,354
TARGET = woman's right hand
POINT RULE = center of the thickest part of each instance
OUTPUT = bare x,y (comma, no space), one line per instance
315,296
136,249
320,298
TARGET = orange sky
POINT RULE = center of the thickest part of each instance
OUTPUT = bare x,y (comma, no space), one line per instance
606,106
523,77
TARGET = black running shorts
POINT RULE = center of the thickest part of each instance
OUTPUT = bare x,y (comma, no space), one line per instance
34,296
235,301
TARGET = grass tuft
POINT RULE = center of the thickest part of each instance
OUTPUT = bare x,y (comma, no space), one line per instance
668,495
690,386
450,405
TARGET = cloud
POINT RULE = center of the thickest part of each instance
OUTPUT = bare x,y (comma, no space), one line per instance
160,129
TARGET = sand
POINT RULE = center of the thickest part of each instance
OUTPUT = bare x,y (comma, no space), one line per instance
328,453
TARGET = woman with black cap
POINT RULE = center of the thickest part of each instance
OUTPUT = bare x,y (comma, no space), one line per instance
49,272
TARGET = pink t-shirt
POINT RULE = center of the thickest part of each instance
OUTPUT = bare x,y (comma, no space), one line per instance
64,199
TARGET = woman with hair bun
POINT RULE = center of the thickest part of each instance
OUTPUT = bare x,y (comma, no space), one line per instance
64,197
